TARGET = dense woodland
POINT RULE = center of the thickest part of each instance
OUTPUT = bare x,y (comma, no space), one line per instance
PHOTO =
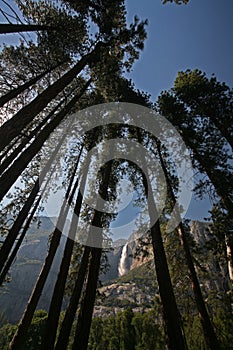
45,80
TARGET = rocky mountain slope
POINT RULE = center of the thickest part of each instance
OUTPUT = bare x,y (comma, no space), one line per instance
25,270
128,282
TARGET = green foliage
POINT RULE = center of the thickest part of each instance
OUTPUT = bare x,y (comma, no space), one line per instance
201,109
224,324
148,333
6,334
194,333
127,331
34,335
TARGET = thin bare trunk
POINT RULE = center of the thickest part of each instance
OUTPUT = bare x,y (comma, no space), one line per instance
15,92
21,238
19,337
175,338
14,231
18,28
16,152
87,305
209,333
12,174
11,128
67,323
59,289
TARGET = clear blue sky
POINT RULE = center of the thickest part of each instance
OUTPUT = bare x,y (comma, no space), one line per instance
197,35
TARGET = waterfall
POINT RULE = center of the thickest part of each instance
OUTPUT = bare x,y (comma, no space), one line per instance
122,268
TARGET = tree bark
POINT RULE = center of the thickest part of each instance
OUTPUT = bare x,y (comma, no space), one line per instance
67,323
59,289
16,152
11,175
17,342
209,333
11,128
87,306
18,28
14,231
175,338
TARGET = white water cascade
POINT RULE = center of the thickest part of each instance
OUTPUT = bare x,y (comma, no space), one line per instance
122,268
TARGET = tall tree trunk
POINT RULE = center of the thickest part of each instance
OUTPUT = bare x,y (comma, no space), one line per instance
209,333
16,152
224,131
175,338
20,334
87,305
59,289
67,323
18,244
14,231
173,328
22,236
11,128
11,175
15,92
18,28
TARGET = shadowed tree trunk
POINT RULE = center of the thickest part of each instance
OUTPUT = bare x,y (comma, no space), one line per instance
10,176
14,231
19,242
87,306
224,131
18,28
173,328
175,338
63,337
16,152
18,224
209,333
11,128
19,337
59,289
